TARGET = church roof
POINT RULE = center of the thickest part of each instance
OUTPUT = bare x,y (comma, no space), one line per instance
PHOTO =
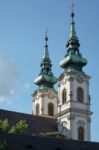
36,124
24,142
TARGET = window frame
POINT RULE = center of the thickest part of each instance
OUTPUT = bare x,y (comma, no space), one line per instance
80,94
50,109
81,133
37,109
64,96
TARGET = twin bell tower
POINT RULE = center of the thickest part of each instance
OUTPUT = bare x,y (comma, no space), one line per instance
70,103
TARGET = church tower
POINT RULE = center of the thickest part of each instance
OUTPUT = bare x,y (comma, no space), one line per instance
45,97
73,91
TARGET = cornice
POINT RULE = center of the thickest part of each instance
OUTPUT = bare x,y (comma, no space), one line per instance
75,110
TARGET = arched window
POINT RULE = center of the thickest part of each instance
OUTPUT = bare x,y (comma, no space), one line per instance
50,109
64,96
81,133
37,109
80,94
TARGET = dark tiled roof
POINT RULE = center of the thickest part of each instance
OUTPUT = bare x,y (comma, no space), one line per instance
37,124
24,142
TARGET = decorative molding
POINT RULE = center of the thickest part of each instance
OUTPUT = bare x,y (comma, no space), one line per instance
75,101
79,79
50,93
61,113
42,95
63,82
70,117
64,124
78,112
81,123
51,96
70,78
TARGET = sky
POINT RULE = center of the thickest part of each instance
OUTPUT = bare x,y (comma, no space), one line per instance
23,24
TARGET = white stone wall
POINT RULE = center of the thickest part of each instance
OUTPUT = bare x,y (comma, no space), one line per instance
43,98
85,88
73,113
77,122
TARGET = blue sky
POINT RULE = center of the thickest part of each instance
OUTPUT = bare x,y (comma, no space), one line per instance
22,30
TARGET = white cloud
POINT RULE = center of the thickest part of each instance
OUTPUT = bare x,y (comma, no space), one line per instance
9,78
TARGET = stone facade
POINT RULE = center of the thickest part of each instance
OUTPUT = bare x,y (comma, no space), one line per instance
43,98
74,114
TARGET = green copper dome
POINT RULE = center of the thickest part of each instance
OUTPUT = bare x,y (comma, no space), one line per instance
73,59
46,77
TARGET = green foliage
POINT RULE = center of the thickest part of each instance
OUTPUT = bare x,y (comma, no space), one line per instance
53,134
4,125
3,145
21,127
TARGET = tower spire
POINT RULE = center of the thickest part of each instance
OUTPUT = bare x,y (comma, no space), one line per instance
72,30
73,41
45,94
73,59
46,53
46,77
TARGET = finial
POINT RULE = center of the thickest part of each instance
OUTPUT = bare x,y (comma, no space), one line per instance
73,39
72,11
46,38
46,53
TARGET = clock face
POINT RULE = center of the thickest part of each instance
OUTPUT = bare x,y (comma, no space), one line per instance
79,79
